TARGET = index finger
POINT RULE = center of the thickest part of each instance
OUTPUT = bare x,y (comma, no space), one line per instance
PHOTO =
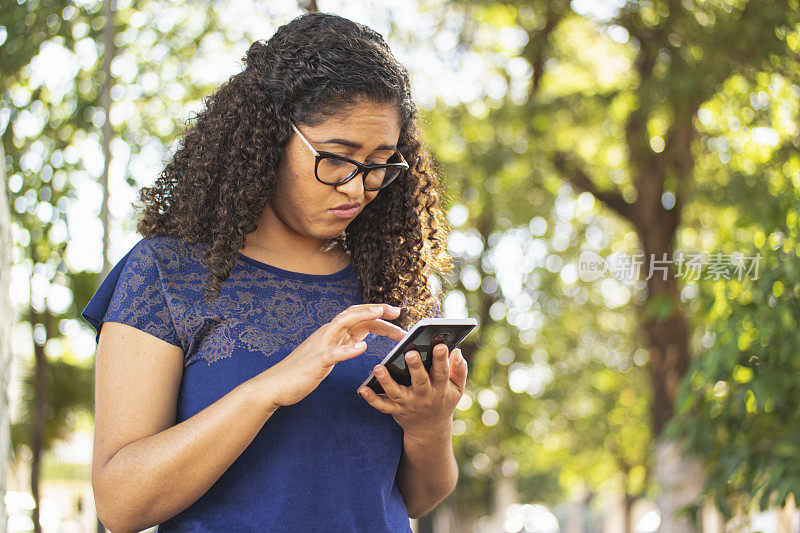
349,318
381,327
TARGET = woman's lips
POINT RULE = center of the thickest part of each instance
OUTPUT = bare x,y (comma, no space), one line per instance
345,213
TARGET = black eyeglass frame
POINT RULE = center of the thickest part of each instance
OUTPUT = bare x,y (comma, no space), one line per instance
361,168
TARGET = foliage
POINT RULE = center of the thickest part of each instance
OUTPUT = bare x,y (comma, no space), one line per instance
623,93
736,406
50,124
67,385
559,391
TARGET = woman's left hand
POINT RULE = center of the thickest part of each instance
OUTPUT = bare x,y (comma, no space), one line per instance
425,408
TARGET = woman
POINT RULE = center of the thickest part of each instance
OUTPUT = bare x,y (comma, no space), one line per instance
237,330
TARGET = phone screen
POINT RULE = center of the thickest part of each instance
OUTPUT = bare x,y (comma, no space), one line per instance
423,340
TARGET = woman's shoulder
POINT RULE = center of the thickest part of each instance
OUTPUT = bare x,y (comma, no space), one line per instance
167,242
170,252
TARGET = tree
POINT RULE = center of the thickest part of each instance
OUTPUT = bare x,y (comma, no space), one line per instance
555,398
732,407
52,133
636,117
531,411
27,27
6,313
43,163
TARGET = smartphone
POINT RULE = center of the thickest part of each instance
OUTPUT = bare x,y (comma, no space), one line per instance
422,337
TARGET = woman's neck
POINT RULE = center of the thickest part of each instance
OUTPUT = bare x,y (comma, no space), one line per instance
321,263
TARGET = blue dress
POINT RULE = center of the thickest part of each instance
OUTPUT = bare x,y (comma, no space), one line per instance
327,463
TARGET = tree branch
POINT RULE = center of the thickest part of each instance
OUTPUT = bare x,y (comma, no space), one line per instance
572,171
538,46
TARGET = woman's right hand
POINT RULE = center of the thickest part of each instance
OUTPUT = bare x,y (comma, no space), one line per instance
299,373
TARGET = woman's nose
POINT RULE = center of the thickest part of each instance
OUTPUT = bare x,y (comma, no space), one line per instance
354,188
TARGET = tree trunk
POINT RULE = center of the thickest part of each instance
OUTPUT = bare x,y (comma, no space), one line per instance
105,99
786,515
663,321
40,414
6,321
712,521
627,512
505,494
576,518
680,479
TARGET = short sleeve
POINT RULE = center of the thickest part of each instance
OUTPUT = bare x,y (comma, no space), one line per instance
133,294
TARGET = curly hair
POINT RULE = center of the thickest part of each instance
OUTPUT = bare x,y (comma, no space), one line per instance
215,187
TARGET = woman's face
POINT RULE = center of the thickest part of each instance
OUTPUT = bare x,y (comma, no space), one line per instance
304,204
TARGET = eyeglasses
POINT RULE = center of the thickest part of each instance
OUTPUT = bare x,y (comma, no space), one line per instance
335,169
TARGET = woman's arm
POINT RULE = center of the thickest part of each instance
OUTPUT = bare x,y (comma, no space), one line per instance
145,469
427,472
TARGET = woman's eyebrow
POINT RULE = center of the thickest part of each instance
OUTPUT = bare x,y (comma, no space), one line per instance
353,144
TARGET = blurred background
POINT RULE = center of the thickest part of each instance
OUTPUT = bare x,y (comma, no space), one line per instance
623,186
